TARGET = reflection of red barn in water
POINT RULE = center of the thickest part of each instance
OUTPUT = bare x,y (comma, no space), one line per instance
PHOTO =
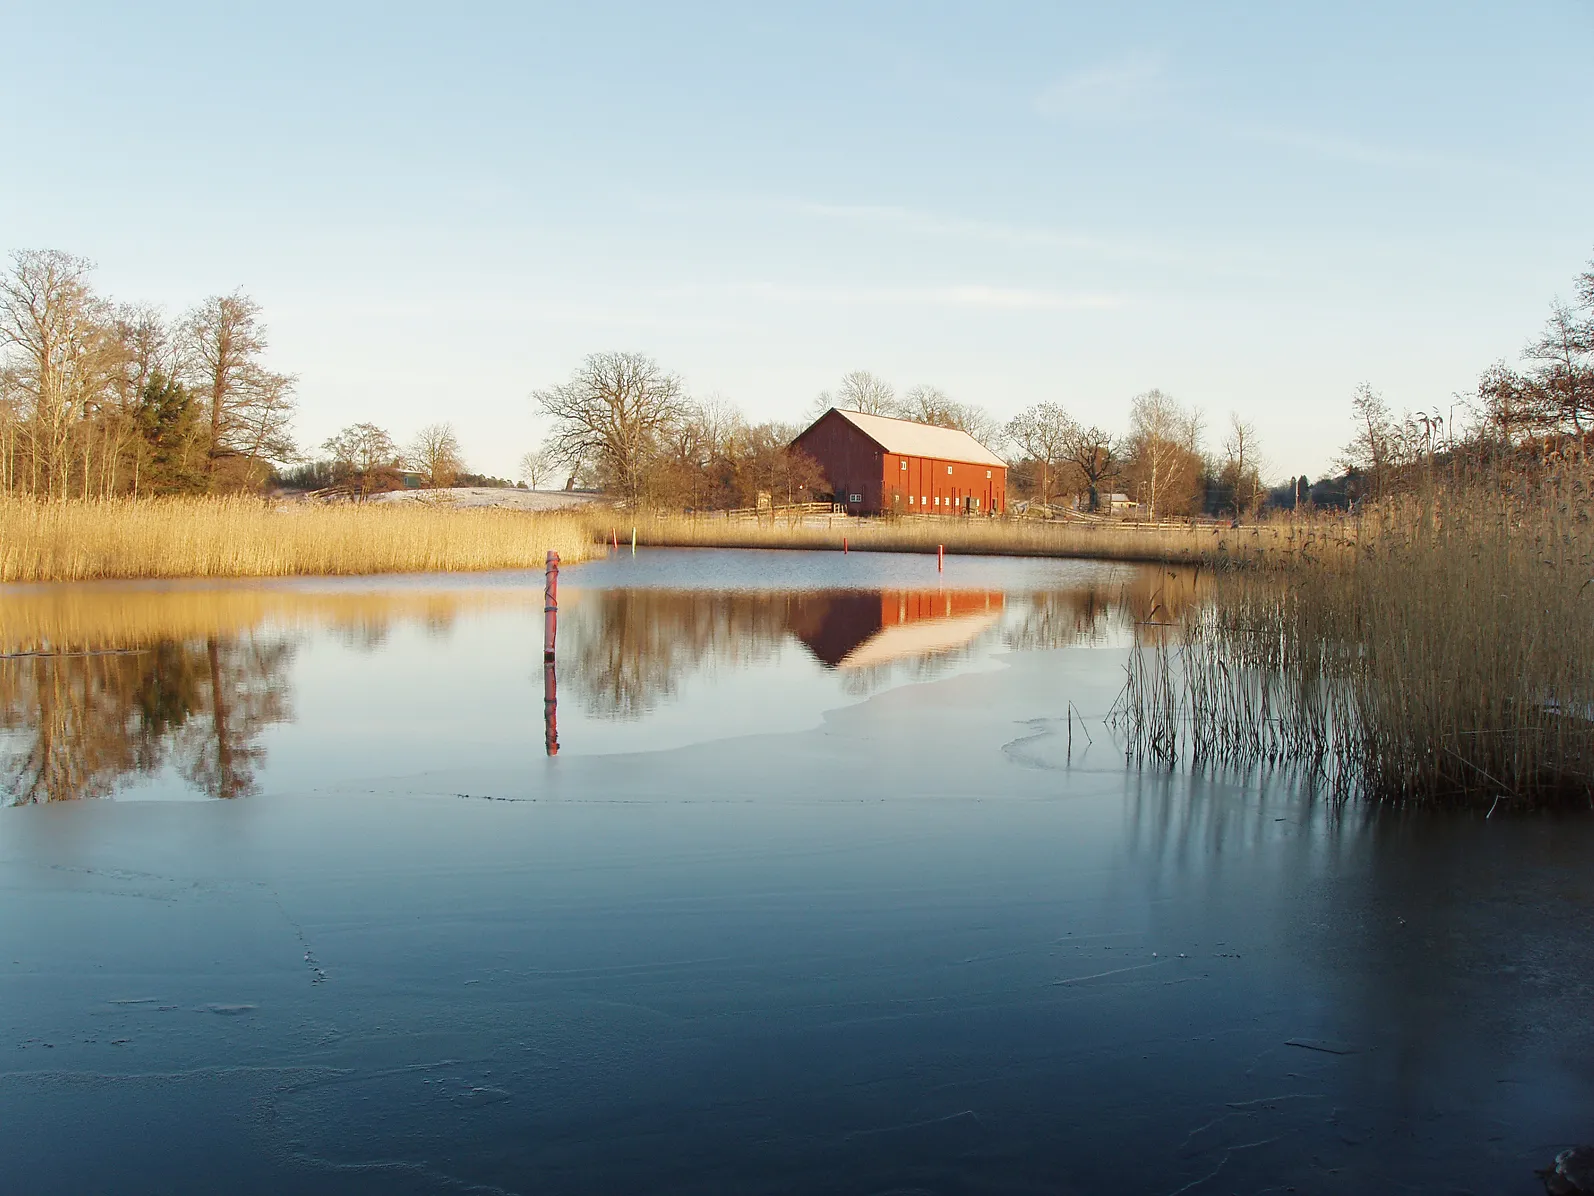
858,630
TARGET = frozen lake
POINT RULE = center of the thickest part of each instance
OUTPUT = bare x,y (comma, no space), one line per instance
836,883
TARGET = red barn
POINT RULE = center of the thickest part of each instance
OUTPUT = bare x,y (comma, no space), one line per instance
876,464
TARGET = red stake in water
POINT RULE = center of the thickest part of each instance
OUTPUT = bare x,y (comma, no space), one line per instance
550,681
940,558
614,534
844,544
550,606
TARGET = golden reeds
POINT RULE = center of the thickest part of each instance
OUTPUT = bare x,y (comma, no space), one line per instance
242,537
1450,660
1264,544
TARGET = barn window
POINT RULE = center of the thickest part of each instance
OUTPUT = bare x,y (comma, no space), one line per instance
949,471
910,500
987,473
905,466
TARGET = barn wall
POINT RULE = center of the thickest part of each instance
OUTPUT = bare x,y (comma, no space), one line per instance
851,461
854,464
934,487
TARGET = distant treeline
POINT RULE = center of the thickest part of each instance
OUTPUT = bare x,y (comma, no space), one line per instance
105,399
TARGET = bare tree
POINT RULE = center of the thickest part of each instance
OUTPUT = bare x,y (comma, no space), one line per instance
224,340
1510,407
859,391
435,453
248,406
932,405
1041,434
1094,454
364,454
533,468
1564,371
1373,450
1165,444
60,356
1242,466
613,412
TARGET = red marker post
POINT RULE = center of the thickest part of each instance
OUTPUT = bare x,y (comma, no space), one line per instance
940,558
550,680
550,607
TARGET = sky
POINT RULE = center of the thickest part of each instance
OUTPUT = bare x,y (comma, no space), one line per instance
443,208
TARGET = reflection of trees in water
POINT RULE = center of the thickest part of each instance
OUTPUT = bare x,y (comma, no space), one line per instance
76,725
1102,613
1066,618
628,650
633,648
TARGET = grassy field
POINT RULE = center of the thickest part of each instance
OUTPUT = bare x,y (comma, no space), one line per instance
227,537
1451,660
1268,544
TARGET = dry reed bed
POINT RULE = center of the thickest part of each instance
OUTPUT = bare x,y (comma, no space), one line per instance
1270,544
238,537
1449,661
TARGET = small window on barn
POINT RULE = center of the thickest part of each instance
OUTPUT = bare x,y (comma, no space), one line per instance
910,500
987,473
949,471
904,464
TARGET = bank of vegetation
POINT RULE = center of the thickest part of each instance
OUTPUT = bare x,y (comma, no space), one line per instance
1265,544
245,537
1449,659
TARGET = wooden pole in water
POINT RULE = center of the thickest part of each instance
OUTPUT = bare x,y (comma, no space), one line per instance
844,544
550,708
550,680
633,541
940,558
615,533
550,606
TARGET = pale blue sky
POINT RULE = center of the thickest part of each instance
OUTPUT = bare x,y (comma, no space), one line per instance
1254,207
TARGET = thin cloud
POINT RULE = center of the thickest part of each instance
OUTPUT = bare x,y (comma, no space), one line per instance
1130,86
968,295
929,224
1348,149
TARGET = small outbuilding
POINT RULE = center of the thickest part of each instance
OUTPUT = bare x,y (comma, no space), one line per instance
877,465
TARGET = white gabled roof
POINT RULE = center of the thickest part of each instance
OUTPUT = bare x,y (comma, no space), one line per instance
909,439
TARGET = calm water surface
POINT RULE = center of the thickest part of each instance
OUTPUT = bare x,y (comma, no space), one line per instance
836,883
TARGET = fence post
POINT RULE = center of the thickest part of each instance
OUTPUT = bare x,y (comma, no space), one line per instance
550,680
550,607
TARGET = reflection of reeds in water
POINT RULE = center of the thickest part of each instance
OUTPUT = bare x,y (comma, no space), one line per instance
100,684
1453,661
238,537
98,617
